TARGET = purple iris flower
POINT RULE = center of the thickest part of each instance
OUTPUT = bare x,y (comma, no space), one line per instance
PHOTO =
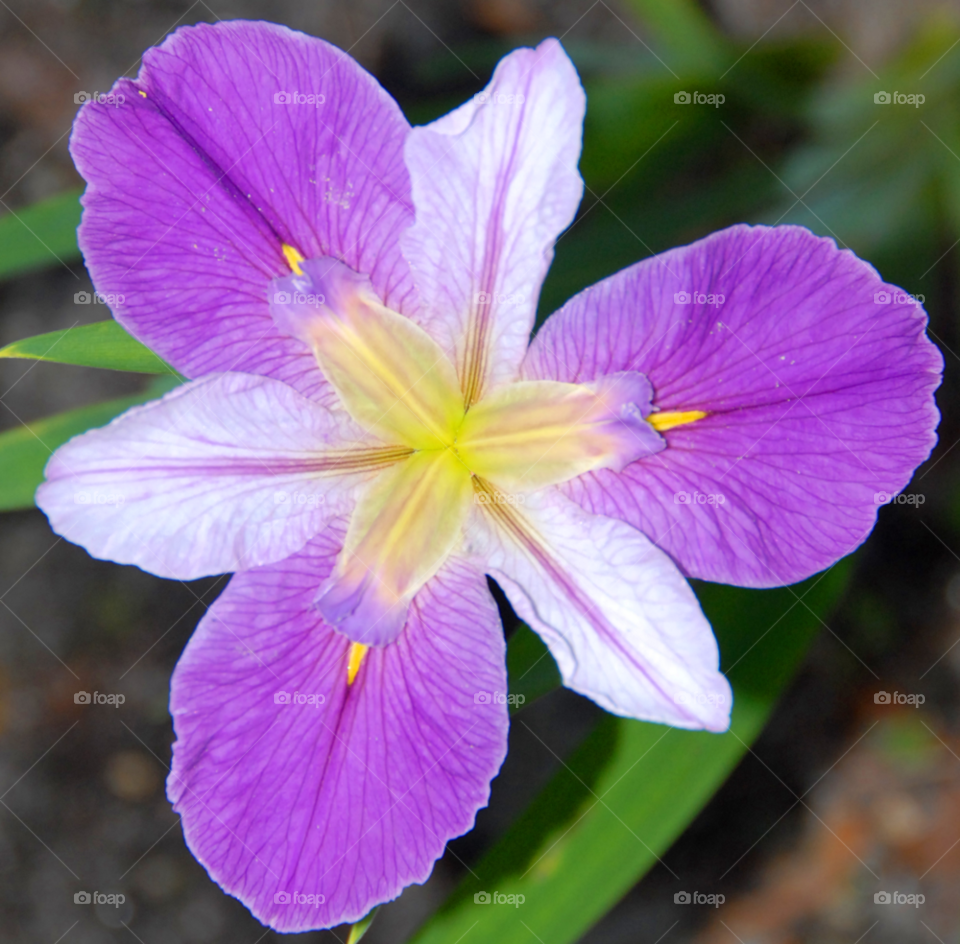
368,431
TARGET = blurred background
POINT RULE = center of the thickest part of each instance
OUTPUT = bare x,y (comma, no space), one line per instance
845,793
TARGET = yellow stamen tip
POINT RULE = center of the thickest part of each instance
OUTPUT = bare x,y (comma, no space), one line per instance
293,259
357,651
143,94
664,421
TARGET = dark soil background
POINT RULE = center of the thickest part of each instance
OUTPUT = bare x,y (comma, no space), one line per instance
838,786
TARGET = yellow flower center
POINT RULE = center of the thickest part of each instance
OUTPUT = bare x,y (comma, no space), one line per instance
400,386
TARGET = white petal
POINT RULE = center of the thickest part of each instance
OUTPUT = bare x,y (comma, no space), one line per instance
494,183
222,474
622,623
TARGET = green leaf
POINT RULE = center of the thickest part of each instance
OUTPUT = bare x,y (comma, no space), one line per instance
40,235
24,452
881,178
531,670
684,32
102,344
631,788
358,930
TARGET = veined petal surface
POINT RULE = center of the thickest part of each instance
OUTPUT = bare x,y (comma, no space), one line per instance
234,140
621,621
494,183
221,474
292,783
817,379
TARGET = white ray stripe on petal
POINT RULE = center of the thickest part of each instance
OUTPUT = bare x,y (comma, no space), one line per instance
621,621
494,183
222,474
524,533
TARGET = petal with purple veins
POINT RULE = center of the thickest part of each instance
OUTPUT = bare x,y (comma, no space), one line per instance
816,379
293,783
211,163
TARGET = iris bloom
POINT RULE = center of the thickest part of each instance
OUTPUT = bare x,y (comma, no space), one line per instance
368,431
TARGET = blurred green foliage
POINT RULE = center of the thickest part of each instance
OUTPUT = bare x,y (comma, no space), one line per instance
531,671
25,450
41,235
630,789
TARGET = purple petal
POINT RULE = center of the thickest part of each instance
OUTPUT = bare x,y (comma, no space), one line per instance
494,183
352,798
621,621
818,379
200,176
222,474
